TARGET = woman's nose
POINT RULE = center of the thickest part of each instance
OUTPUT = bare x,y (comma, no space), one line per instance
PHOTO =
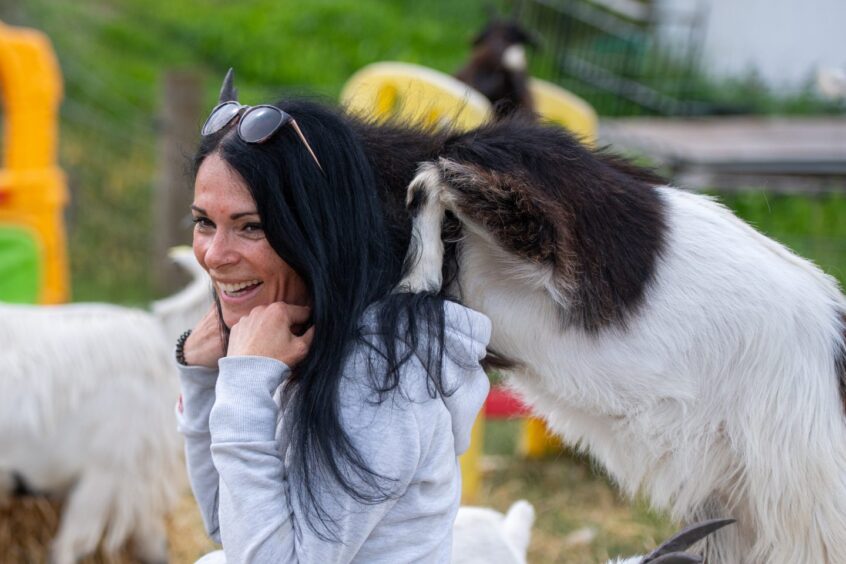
220,251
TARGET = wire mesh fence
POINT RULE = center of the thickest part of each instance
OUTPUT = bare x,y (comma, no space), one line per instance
628,57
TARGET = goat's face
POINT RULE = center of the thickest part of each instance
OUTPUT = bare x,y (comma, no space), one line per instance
501,45
497,67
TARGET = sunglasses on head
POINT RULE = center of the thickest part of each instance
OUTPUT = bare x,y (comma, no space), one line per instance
257,125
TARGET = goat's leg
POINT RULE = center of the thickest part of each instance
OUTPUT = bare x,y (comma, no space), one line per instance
498,207
425,257
149,540
84,518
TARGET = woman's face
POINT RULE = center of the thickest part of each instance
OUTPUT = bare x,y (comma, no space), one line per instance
230,244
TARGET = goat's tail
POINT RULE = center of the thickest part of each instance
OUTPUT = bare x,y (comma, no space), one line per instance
185,308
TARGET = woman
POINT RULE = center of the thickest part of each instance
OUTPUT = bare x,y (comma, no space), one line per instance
323,414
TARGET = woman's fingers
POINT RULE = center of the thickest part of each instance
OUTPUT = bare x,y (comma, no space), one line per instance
298,314
273,331
204,346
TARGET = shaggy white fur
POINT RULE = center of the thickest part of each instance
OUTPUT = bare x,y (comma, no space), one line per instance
86,412
719,399
482,535
184,309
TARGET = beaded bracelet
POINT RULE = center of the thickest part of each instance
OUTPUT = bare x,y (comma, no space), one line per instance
180,348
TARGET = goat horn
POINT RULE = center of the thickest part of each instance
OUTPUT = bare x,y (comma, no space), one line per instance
228,93
684,539
677,558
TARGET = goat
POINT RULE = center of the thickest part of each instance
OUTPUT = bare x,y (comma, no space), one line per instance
497,67
87,395
697,360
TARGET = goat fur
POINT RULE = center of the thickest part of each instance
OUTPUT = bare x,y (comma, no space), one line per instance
86,414
482,535
697,360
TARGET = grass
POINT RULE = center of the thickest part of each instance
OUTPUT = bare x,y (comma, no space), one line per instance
812,226
571,497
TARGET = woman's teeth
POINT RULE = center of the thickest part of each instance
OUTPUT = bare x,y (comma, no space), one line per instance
237,288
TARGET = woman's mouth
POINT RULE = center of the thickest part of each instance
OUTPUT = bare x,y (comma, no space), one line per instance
238,289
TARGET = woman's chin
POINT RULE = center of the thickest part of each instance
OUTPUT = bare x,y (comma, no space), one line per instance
230,318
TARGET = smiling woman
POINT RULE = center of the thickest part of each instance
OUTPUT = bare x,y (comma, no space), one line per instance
323,414
230,244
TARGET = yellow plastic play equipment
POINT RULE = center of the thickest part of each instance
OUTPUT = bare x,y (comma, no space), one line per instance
415,94
418,94
560,106
33,260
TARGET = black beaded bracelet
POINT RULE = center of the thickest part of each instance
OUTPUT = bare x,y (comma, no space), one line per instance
180,348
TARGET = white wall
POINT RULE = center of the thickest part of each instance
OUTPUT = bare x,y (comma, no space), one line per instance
784,40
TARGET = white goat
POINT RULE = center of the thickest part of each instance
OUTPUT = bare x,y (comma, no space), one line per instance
86,413
719,393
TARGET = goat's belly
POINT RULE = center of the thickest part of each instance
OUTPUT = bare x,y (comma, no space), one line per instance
39,464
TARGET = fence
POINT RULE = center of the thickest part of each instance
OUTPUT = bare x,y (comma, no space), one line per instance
627,57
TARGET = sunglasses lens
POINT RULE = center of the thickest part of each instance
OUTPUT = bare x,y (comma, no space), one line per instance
260,122
220,117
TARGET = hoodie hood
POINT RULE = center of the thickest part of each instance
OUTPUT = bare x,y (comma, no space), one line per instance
466,336
465,340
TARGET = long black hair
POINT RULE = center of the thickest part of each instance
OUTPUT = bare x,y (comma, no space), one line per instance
329,226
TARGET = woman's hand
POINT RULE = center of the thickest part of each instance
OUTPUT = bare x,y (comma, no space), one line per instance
269,331
204,346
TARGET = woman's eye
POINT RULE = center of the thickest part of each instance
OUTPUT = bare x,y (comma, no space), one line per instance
202,222
253,228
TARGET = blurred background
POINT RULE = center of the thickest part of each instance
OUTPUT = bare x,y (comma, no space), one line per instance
740,98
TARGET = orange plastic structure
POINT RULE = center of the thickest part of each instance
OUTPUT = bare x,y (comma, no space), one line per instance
32,187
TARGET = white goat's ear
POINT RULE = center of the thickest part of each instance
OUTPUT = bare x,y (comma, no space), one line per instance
228,93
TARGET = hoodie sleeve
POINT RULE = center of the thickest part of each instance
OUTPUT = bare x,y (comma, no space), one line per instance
192,415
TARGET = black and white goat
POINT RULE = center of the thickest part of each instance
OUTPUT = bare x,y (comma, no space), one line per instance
697,360
498,68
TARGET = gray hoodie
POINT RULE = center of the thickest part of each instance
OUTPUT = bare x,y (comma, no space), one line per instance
235,444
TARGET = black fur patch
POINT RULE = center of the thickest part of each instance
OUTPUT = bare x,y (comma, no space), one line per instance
419,198
394,151
21,488
594,220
